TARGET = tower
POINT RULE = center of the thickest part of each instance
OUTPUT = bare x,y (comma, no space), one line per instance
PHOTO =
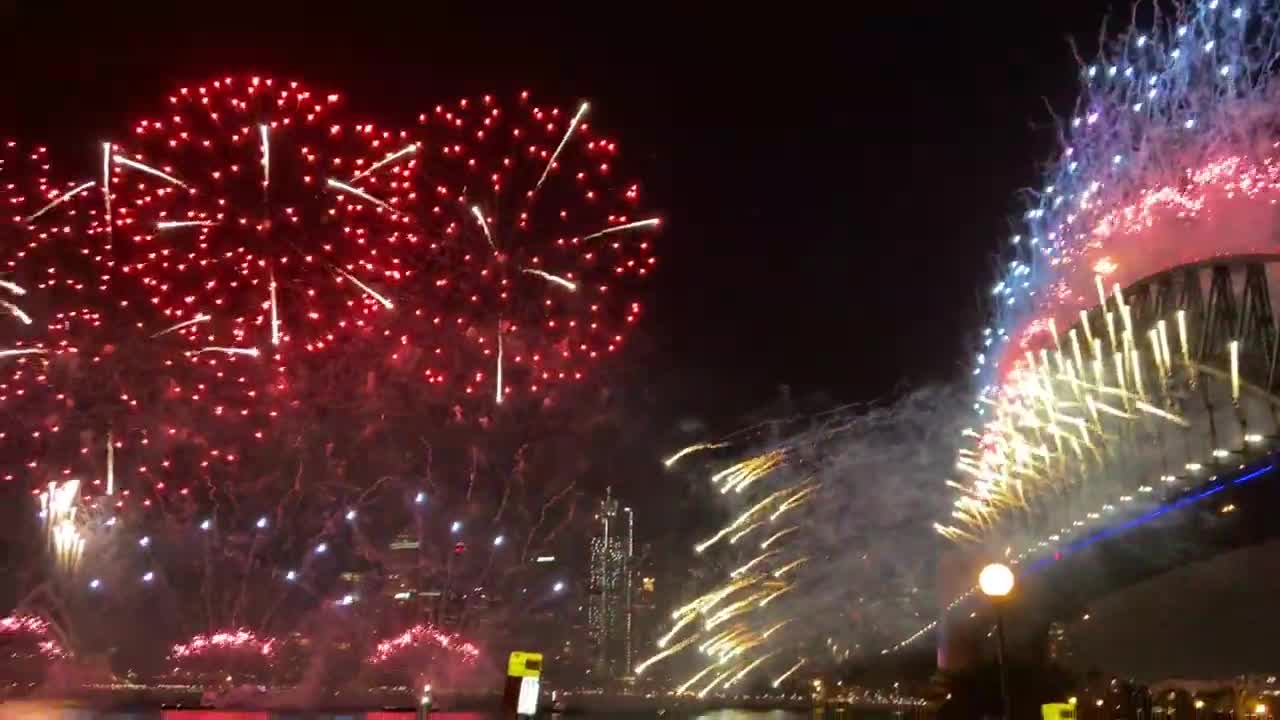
610,590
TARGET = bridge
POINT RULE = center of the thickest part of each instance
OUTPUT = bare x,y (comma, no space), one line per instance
1160,406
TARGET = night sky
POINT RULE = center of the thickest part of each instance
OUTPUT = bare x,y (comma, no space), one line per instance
834,189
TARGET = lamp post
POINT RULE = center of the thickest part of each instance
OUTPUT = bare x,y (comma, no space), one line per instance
996,582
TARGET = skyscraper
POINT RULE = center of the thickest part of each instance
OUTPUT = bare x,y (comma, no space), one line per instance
609,588
1059,649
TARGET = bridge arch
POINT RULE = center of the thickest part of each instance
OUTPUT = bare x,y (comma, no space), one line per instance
1162,391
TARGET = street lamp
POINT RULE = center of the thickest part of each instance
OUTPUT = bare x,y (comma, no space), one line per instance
996,582
1198,705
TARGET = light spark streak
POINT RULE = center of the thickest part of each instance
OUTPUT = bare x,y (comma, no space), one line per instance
690,682
566,284
106,183
484,225
12,287
18,352
367,290
199,318
275,310
753,562
59,506
392,157
175,224
697,447
60,199
627,226
680,624
573,125
778,536
665,653
733,539
250,352
264,135
711,685
16,311
498,389
111,464
122,160
750,666
781,678
339,185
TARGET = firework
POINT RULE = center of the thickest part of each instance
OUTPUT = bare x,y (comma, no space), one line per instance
428,636
697,447
640,668
832,487
789,671
395,221
59,505
1172,137
233,640
36,629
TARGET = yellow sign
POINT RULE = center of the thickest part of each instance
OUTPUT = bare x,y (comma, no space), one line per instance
524,664
1058,711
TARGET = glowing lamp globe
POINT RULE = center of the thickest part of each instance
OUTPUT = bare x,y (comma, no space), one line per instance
996,580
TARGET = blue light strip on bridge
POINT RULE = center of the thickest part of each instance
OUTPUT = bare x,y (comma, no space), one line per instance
1101,535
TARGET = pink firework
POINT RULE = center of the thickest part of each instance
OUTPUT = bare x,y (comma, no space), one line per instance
424,636
34,628
239,641
484,241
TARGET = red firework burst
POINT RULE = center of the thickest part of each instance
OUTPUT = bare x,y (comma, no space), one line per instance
252,235
87,373
482,249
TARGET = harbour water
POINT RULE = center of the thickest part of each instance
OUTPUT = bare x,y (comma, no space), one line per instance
41,711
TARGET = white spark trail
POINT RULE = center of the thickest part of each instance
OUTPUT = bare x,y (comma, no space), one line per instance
171,224
14,352
788,673
475,210
122,160
111,465
368,290
275,313
265,134
498,390
251,352
59,200
573,124
566,284
691,449
106,180
392,157
361,194
199,318
689,683
627,226
12,287
777,536
25,318
742,673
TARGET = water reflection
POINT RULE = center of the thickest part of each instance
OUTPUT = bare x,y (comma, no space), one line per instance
40,711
